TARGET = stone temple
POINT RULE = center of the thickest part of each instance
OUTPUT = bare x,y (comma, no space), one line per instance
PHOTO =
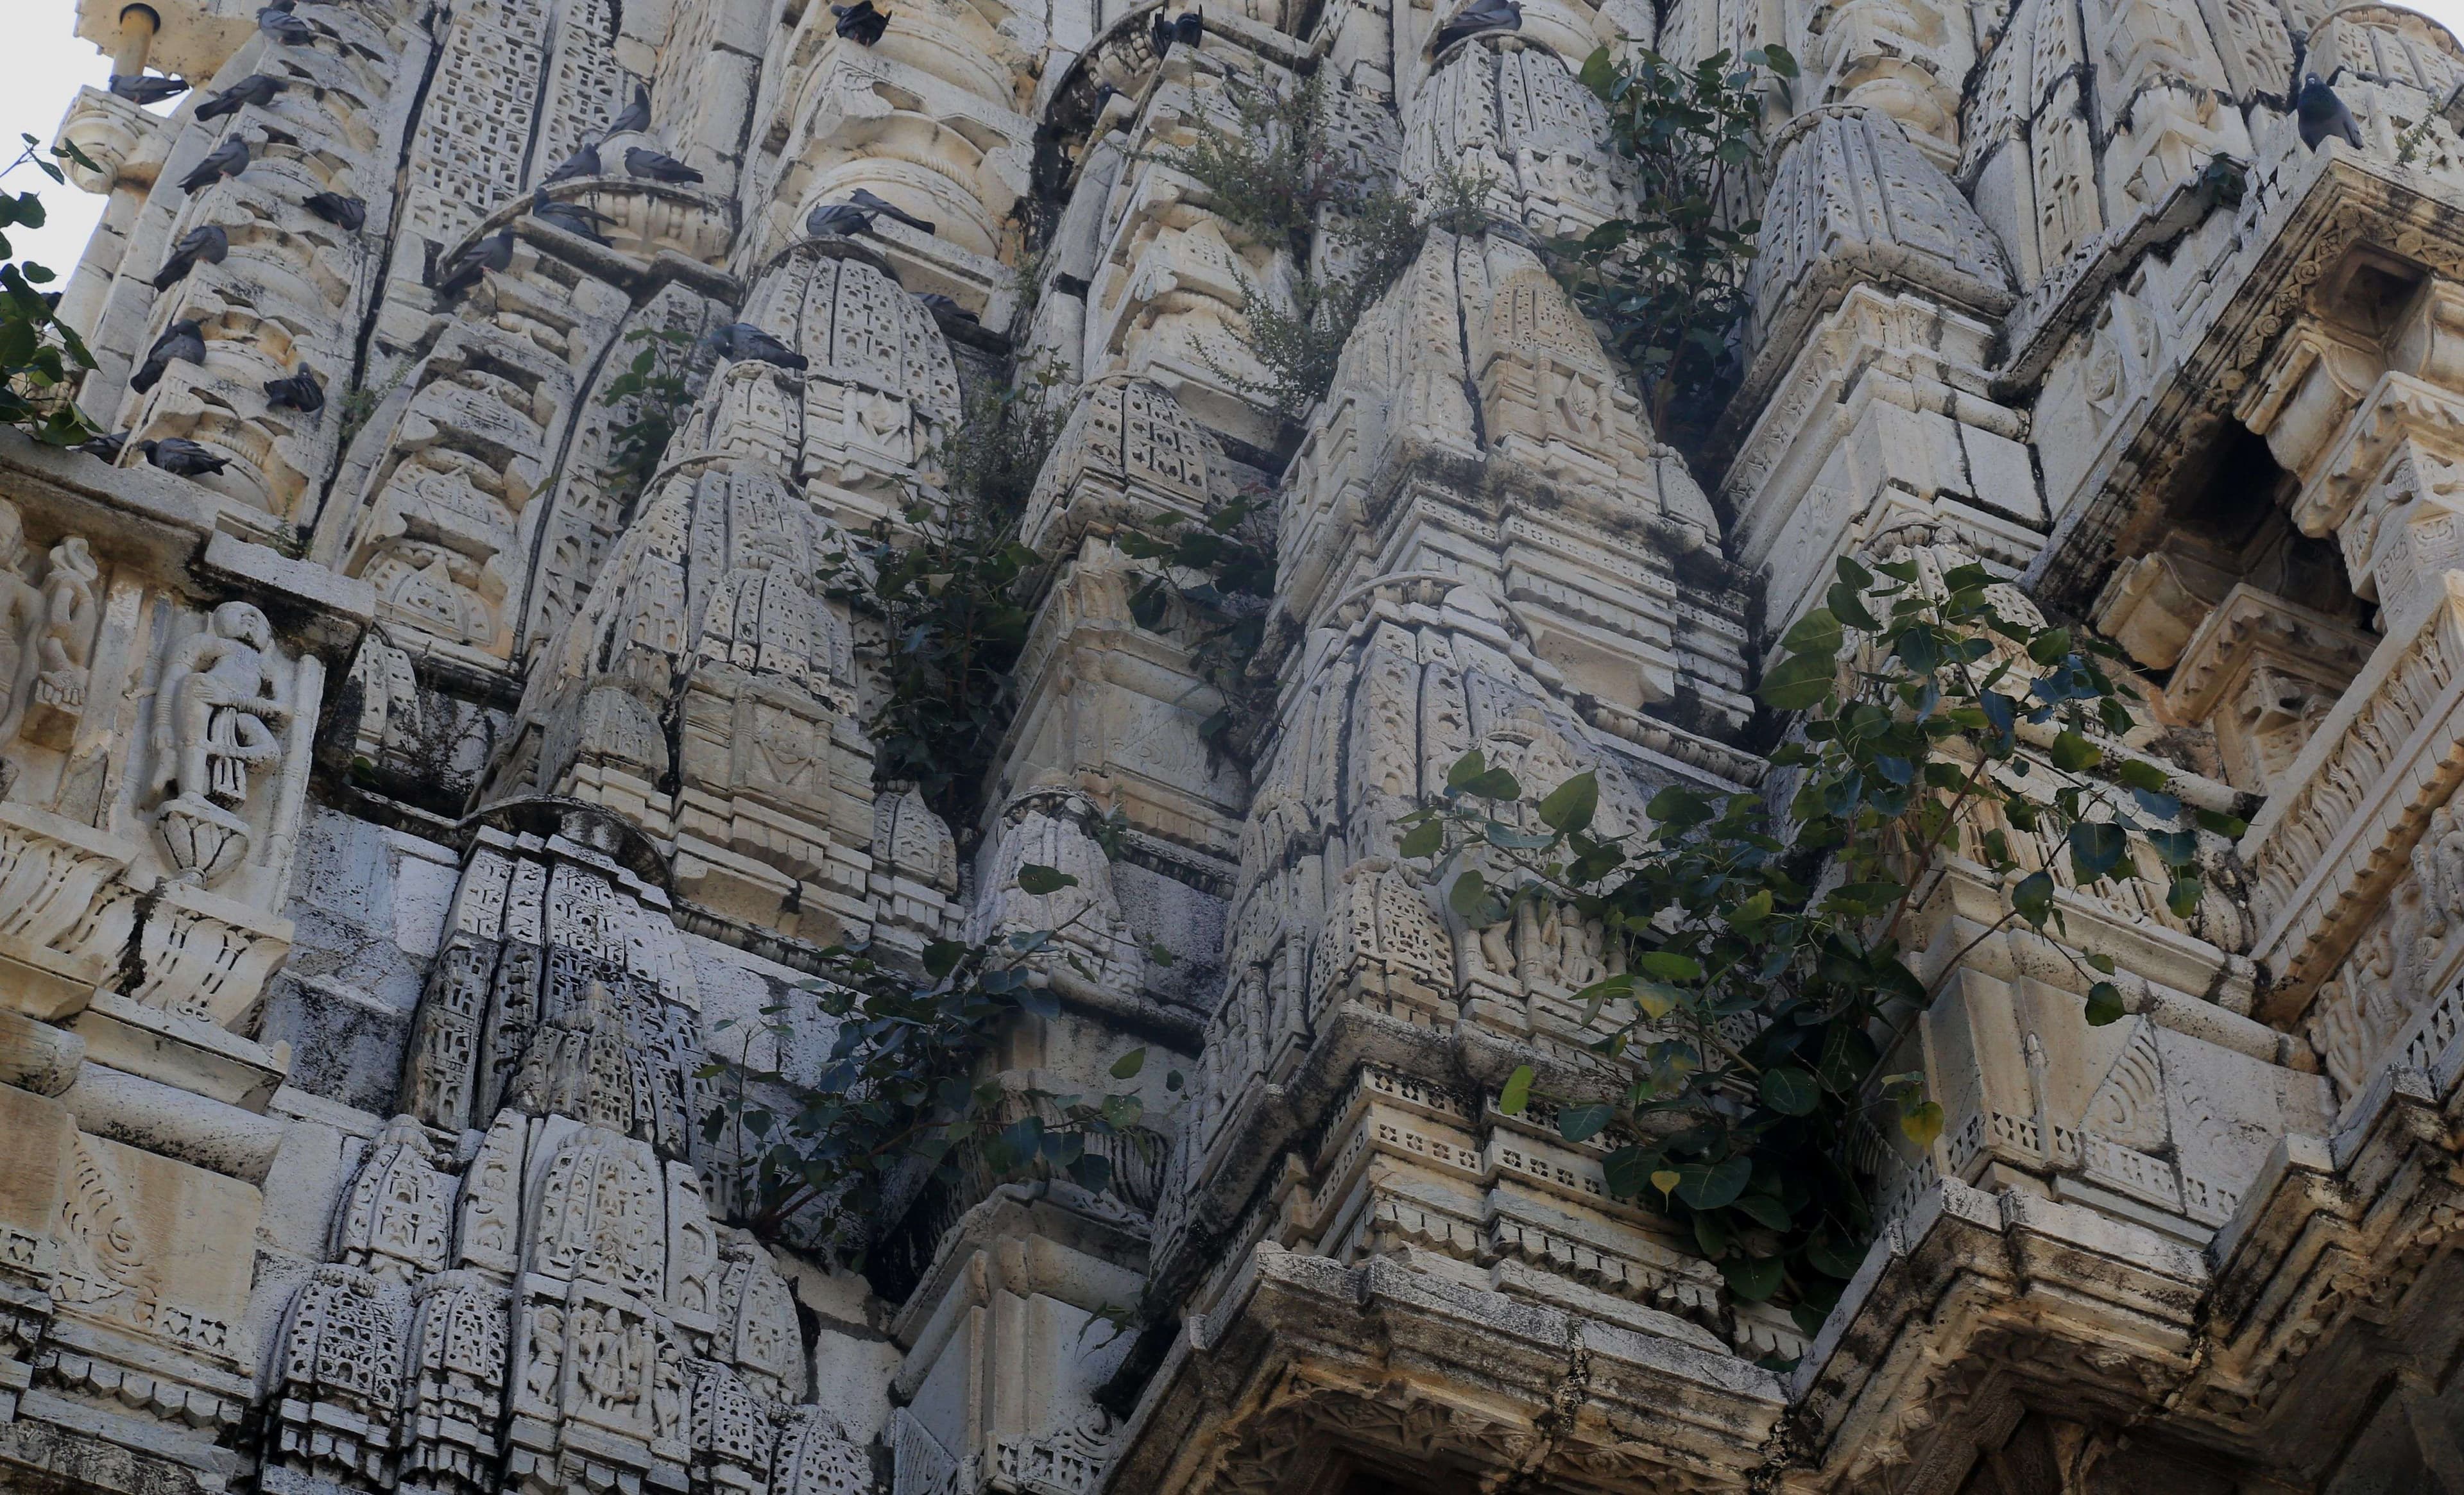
405,827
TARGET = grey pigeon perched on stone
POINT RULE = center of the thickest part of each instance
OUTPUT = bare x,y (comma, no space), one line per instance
654,165
257,88
138,88
636,115
297,391
2323,113
184,341
582,163
209,243
941,305
856,215
859,23
227,159
334,208
888,210
182,457
463,271
276,21
572,217
1189,28
107,447
1481,16
745,342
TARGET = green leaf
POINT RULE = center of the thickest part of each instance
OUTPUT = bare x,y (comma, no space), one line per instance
2073,753
1570,807
1469,767
1817,632
1791,1091
1711,1186
2104,1004
1676,809
2182,898
1424,840
1469,892
1752,1278
2232,828
2051,647
1582,1123
1847,603
1779,59
2097,847
1036,880
1495,783
1128,1066
2136,773
941,957
1517,1094
1668,965
2033,896
1799,682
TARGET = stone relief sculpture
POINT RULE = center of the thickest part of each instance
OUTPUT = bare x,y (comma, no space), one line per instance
357,1048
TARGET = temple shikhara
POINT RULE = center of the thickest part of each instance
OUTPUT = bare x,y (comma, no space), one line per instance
439,744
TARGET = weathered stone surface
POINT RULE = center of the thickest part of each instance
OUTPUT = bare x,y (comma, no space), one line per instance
405,827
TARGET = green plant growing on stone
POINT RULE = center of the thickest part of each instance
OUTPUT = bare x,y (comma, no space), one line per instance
903,1086
655,391
1220,569
1737,1059
38,352
1277,179
1667,284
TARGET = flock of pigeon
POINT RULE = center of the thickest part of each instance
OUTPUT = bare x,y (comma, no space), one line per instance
2320,112
184,341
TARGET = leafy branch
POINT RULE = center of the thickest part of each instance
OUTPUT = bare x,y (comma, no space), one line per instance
903,1084
1276,178
655,391
1668,284
1220,569
37,350
1759,990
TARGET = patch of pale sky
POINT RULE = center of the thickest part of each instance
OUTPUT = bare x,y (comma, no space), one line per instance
43,64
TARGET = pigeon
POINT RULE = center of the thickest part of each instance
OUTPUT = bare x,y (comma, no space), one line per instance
139,89
209,243
582,163
227,159
890,210
636,115
298,392
943,306
1481,16
860,23
657,168
572,217
336,208
2323,113
1161,33
183,341
462,272
745,342
276,21
257,88
182,457
107,448
1189,28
